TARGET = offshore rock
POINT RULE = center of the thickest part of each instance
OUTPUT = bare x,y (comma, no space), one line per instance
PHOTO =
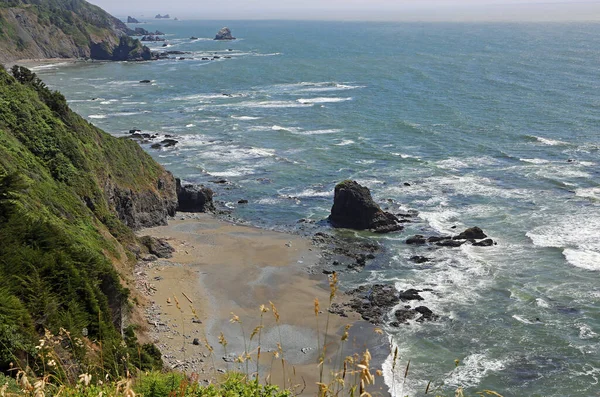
354,208
132,20
128,49
224,34
373,302
472,233
193,198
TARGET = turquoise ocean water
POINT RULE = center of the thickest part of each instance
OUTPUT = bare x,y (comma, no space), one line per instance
494,125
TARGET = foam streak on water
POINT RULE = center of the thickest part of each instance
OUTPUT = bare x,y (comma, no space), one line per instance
486,125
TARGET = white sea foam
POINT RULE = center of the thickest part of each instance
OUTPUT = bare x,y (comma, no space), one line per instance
49,66
522,320
345,142
466,162
190,125
473,369
201,97
307,193
550,142
404,156
593,193
585,259
97,116
269,201
541,303
245,118
318,132
586,332
576,234
270,104
233,172
280,128
323,100
535,161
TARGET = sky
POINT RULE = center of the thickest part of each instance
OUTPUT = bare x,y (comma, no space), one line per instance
411,10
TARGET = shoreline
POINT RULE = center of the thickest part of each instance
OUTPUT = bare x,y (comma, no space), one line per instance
44,62
219,268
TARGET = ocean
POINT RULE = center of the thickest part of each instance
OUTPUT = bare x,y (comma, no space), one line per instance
493,125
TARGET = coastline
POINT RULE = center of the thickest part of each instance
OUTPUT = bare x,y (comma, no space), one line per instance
219,268
41,62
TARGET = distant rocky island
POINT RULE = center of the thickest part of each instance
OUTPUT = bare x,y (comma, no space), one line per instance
224,34
132,20
166,16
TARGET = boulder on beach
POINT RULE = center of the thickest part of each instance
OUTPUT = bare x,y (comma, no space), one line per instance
224,34
354,208
192,198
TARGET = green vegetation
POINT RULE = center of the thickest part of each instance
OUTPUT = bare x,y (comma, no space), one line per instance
61,237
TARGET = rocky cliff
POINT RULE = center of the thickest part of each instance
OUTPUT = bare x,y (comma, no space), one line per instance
31,29
70,195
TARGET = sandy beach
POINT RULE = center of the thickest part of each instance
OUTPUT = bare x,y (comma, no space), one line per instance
220,268
41,63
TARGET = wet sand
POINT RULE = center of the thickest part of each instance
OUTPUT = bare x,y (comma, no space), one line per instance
220,268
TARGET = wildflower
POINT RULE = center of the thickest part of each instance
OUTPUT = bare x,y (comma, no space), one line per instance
263,309
52,363
41,345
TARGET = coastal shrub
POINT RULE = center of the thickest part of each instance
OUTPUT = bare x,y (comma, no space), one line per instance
57,251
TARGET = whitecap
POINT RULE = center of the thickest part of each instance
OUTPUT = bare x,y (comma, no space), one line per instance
541,303
550,142
593,193
318,132
345,142
97,116
522,320
584,259
270,104
535,161
323,100
473,369
190,125
245,118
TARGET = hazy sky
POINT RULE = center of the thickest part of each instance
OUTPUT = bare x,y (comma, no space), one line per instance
432,10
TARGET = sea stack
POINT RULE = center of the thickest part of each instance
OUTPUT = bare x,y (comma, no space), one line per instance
354,208
224,34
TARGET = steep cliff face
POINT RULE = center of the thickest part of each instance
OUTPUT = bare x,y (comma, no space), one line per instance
64,29
70,195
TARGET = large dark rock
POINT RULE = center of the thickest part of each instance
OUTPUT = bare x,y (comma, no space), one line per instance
157,246
128,49
193,198
488,242
373,302
354,208
132,20
410,295
472,233
224,34
138,209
